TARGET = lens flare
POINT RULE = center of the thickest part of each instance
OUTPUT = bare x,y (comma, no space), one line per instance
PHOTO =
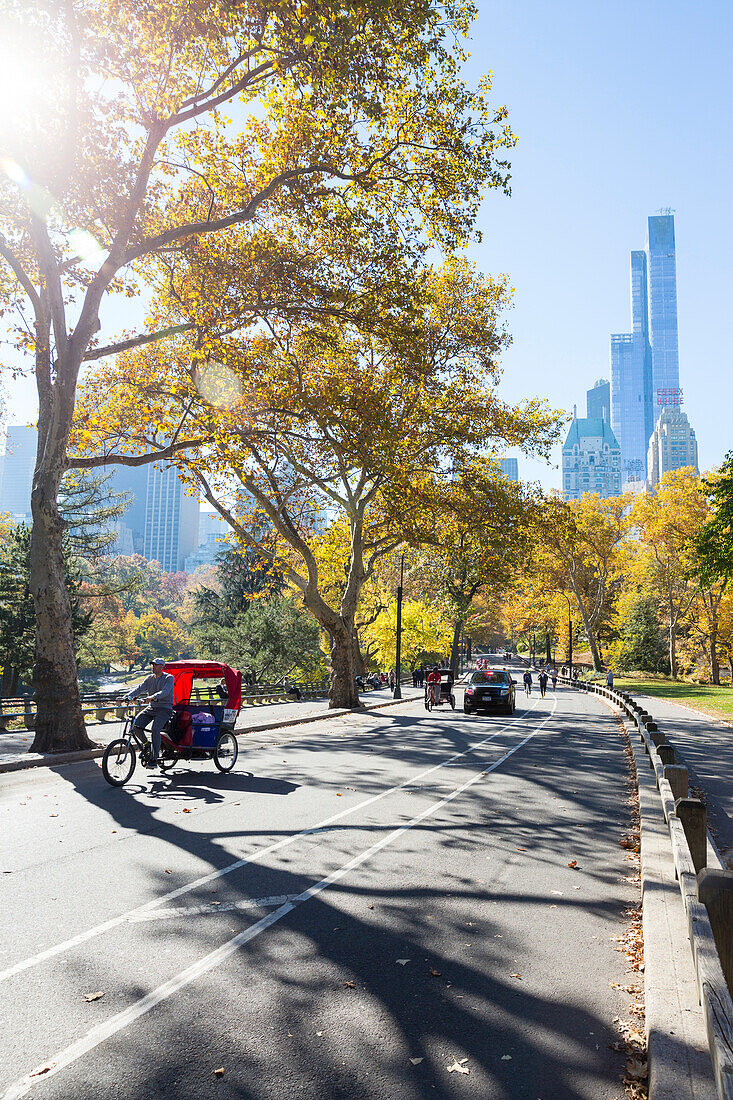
84,245
218,385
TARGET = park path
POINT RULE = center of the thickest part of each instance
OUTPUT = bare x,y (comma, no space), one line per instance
391,903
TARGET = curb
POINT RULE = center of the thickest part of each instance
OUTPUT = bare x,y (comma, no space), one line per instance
680,1066
53,760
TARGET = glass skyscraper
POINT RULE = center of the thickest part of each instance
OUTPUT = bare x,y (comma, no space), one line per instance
645,362
598,400
509,468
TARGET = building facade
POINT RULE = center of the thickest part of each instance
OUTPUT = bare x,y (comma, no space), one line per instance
17,475
672,446
171,519
509,468
591,459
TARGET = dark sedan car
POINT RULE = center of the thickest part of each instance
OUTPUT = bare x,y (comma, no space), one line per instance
491,688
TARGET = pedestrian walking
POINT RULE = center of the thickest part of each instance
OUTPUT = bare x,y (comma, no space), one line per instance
554,679
543,683
391,679
527,678
609,679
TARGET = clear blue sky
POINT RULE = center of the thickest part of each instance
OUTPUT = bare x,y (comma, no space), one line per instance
620,108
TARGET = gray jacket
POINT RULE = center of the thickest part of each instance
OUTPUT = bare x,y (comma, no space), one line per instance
160,689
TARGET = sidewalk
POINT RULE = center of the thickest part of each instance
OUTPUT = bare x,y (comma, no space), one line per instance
14,746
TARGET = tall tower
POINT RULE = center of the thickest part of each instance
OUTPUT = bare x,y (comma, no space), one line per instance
663,308
171,519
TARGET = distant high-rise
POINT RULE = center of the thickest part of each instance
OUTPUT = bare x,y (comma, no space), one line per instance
591,459
672,446
645,362
663,306
171,519
20,461
598,401
510,468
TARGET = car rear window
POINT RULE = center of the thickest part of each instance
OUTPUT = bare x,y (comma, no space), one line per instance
490,677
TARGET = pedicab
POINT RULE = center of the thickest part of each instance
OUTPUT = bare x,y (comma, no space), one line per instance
201,726
445,695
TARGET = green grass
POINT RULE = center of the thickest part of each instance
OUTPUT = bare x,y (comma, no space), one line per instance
716,701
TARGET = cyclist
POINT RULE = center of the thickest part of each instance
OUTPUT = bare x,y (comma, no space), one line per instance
434,685
159,689
527,678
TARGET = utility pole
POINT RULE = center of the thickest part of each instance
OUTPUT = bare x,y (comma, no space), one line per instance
397,693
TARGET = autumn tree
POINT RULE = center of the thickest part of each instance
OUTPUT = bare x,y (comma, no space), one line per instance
333,416
477,526
188,145
667,523
581,542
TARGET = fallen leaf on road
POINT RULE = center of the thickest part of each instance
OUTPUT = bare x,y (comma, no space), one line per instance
168,872
553,906
458,1067
339,795
506,1057
558,892
434,973
516,976
94,996
53,815
370,906
402,962
219,1072
573,863
521,849
415,1061
186,810
319,1033
635,1068
42,1070
349,985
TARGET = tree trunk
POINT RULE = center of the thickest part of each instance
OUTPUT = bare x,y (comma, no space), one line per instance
359,665
455,645
672,650
59,721
343,691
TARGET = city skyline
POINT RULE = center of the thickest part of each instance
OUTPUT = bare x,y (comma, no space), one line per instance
563,236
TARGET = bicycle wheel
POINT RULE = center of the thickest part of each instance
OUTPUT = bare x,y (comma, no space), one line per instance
168,758
226,752
118,762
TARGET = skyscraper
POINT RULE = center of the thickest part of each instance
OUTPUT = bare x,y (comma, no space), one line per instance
20,461
598,401
663,305
672,446
510,468
645,362
591,459
171,519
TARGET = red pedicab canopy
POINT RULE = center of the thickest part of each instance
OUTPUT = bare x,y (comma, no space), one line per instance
185,672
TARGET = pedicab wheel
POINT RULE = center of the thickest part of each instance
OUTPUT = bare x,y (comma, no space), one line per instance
226,752
118,762
429,703
168,758
452,702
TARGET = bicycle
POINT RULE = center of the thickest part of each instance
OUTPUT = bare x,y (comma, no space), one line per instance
120,756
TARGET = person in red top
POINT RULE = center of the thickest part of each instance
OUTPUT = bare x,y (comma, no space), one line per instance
434,685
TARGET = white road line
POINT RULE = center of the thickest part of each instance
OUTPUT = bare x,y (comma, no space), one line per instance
212,909
121,1020
170,895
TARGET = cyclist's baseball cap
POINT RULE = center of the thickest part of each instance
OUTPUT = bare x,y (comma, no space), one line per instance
160,661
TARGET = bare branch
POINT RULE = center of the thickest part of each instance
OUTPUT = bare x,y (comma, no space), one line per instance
21,275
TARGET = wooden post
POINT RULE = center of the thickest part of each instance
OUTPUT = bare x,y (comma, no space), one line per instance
666,754
694,818
676,776
715,891
657,738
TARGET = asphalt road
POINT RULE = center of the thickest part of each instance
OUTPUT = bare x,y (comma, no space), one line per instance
360,906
